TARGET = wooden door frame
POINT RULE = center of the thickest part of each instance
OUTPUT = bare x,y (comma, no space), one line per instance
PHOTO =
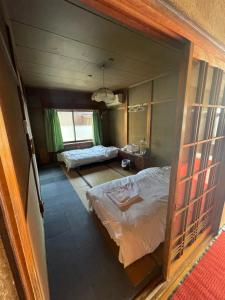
160,21
181,111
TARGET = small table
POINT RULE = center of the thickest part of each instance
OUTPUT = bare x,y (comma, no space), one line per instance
138,161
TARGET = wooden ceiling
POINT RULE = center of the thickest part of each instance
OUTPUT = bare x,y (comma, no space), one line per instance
62,45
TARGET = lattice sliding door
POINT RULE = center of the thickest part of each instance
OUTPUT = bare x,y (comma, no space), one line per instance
201,152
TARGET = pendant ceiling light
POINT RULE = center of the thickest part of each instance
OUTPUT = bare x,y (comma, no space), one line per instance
103,94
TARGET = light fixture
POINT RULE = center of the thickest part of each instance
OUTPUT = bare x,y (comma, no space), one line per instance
103,94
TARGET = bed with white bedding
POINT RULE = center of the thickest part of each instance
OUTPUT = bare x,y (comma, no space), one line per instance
79,157
139,227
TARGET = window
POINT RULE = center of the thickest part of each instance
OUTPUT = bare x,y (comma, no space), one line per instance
76,125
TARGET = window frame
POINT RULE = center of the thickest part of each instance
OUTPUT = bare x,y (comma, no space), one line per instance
74,125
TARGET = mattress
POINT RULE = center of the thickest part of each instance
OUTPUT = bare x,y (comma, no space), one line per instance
140,229
79,157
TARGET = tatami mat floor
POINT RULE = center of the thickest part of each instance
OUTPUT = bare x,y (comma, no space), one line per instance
90,176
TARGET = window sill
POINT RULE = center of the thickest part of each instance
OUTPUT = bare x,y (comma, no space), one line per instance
78,145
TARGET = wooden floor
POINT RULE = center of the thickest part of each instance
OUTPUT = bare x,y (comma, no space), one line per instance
87,177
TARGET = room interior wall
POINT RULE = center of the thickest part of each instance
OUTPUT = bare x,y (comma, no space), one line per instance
116,122
162,94
163,118
137,121
39,98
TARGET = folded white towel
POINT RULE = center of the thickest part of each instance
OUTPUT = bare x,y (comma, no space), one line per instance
124,196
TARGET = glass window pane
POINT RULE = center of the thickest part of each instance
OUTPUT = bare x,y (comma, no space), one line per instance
198,157
191,214
222,92
219,115
220,118
83,125
217,153
207,93
211,153
191,119
194,81
185,163
66,124
201,134
178,224
181,196
194,183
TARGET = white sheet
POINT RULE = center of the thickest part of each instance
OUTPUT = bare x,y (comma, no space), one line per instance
76,158
141,228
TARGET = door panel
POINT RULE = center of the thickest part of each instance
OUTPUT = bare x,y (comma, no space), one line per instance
195,178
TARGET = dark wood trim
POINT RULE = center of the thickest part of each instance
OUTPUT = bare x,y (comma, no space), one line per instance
220,196
149,115
181,111
126,131
74,128
126,117
77,142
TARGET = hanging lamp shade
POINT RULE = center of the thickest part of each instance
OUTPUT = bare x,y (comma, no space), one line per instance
103,94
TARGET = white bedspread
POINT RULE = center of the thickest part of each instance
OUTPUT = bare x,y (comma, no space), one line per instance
76,158
141,228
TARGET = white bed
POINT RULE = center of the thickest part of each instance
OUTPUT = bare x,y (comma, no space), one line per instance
141,228
79,157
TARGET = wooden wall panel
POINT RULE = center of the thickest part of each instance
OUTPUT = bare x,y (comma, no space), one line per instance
163,115
138,120
116,123
162,133
137,127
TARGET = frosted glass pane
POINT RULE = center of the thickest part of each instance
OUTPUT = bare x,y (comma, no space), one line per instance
66,124
83,125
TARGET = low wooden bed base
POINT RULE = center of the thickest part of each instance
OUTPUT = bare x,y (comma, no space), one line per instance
148,266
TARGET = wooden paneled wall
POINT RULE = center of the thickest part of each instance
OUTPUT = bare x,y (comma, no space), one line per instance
156,124
137,123
163,112
116,121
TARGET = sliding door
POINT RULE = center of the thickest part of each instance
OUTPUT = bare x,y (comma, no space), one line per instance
196,190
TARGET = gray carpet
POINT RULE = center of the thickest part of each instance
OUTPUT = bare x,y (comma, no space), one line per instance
81,266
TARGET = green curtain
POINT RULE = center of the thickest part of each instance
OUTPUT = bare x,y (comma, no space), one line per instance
53,131
97,128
